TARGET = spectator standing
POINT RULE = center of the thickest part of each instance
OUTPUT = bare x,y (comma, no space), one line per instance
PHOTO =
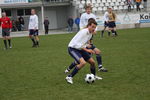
46,25
18,25
138,2
21,20
70,24
77,22
6,25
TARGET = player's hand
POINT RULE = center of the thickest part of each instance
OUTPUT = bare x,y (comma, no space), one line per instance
90,51
89,45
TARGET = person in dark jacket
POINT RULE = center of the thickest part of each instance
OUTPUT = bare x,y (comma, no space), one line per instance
46,25
70,24
21,21
77,22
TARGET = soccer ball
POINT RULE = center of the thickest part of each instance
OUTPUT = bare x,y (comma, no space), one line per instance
89,78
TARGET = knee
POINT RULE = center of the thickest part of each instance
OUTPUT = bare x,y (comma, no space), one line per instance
97,51
83,63
92,62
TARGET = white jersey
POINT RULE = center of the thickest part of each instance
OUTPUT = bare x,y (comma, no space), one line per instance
84,19
33,22
106,17
80,40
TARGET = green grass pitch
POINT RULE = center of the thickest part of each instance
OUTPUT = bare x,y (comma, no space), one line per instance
37,73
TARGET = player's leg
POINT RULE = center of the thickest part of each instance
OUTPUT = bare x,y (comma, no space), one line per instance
31,33
5,43
37,40
102,33
9,38
99,60
109,28
113,32
81,64
93,68
9,41
4,35
109,32
76,54
116,34
36,37
71,66
105,26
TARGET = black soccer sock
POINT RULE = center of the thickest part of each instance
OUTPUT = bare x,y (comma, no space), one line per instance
113,32
116,33
5,43
74,72
9,42
108,33
33,41
72,66
93,70
37,42
99,60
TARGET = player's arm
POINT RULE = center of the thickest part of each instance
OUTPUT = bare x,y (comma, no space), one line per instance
88,50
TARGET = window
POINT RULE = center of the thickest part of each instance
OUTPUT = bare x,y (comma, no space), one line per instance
8,12
20,12
27,11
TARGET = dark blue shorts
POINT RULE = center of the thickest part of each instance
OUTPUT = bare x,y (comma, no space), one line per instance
5,32
34,32
106,24
92,47
78,54
112,25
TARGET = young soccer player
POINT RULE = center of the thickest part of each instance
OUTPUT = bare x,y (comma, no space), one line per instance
77,49
86,16
97,52
111,22
6,25
33,28
106,18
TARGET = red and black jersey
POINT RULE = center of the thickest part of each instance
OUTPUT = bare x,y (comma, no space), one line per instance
5,22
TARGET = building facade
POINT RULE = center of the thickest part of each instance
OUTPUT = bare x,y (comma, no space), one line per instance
57,11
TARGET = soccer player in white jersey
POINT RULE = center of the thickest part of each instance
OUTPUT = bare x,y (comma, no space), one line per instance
86,16
97,52
106,19
77,50
33,28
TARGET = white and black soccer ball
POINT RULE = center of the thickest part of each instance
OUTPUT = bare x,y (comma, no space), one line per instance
89,78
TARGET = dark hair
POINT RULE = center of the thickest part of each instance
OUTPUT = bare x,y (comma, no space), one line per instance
91,21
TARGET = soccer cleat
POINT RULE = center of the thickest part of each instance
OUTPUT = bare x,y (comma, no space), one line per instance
69,80
98,78
34,45
102,69
10,47
66,71
5,48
